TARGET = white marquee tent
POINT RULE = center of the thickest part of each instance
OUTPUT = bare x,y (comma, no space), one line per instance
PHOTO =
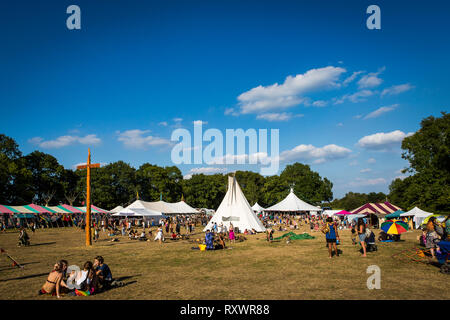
418,215
257,208
117,209
164,207
235,209
292,204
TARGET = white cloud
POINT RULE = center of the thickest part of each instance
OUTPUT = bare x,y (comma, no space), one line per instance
138,139
231,111
340,124
383,141
177,119
356,97
396,89
199,122
319,155
365,170
371,80
319,103
290,92
371,161
63,141
352,77
284,116
380,111
163,123
353,163
367,182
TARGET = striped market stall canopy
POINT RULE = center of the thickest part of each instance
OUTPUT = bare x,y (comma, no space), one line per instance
382,208
69,209
39,209
94,209
23,209
8,209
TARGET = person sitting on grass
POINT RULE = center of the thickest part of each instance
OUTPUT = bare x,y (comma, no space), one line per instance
54,282
104,274
220,243
88,284
143,237
24,239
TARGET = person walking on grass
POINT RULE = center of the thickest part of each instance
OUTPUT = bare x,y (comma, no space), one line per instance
361,227
331,235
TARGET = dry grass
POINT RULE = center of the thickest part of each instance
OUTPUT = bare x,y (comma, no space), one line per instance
253,269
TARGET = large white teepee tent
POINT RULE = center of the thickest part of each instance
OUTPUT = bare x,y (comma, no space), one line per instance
236,210
292,204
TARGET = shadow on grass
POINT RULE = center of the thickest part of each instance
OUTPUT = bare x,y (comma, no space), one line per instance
25,277
41,244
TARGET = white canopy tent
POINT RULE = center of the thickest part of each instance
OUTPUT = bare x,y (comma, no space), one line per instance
352,217
330,213
292,204
235,209
146,214
117,209
257,208
164,207
418,215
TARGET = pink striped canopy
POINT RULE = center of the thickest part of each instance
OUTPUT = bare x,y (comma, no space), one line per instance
342,213
373,208
99,209
39,208
71,209
6,209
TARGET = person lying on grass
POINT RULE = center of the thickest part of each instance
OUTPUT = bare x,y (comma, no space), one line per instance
54,281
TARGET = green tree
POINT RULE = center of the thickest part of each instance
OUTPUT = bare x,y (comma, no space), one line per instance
428,153
111,185
205,191
46,177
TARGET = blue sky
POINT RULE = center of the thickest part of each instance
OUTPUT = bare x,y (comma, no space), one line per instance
342,96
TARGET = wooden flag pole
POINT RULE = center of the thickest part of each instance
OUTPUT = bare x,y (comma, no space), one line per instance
88,167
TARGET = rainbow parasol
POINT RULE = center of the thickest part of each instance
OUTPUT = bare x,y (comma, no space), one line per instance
394,227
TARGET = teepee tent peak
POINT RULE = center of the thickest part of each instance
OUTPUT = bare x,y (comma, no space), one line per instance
235,209
256,207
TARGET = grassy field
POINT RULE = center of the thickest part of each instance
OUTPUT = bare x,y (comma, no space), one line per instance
253,269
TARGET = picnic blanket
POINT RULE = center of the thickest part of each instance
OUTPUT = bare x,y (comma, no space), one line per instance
294,236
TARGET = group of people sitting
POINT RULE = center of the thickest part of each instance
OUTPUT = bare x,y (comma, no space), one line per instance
93,278
214,241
